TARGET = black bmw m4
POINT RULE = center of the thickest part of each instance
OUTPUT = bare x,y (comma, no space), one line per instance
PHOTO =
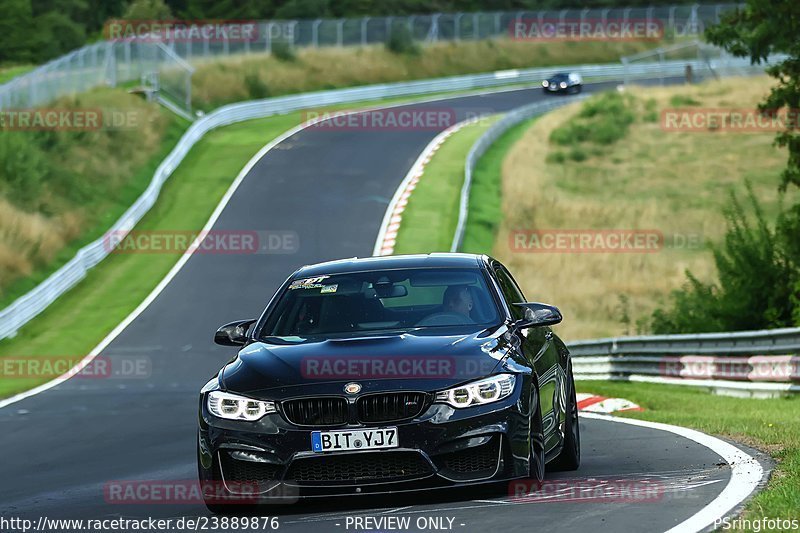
379,375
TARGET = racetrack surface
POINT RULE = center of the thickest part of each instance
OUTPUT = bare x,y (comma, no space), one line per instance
330,187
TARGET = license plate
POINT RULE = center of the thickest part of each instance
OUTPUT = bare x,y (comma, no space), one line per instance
361,439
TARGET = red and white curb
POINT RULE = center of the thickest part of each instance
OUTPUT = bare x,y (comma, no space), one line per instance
600,404
387,236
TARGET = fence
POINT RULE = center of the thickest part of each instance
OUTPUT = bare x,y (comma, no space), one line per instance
37,300
752,363
126,61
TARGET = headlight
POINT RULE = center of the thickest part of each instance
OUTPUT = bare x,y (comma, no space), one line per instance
235,407
545,83
480,392
563,85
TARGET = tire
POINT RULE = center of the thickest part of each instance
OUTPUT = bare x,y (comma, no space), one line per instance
578,88
570,456
536,455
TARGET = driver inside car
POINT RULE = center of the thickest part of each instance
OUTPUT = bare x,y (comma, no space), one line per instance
458,299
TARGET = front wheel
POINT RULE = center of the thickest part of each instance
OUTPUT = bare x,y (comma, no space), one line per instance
570,456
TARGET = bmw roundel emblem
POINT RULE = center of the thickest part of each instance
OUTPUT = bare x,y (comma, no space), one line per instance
352,388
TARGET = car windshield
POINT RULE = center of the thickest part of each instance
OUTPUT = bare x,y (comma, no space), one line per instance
353,303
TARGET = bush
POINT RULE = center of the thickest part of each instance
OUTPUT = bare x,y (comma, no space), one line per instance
402,42
256,88
757,281
578,154
556,157
602,120
283,51
680,100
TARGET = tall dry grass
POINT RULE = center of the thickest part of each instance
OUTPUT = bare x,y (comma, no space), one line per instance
675,183
55,186
259,75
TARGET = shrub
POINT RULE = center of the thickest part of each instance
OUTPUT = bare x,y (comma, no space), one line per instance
756,281
556,157
402,42
681,100
578,154
283,51
256,88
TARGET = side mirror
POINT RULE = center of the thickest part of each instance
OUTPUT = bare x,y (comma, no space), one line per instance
234,334
537,314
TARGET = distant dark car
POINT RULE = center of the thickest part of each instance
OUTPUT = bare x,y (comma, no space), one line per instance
563,83
368,376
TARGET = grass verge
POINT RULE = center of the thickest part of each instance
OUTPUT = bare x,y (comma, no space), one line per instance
485,199
9,73
610,165
770,425
430,218
60,190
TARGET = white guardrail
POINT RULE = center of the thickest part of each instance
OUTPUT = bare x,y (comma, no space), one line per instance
749,363
24,309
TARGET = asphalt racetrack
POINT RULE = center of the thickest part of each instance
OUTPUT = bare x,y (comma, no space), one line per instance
330,188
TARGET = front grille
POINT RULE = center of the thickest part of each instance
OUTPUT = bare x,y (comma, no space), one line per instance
477,461
316,411
362,467
247,471
390,406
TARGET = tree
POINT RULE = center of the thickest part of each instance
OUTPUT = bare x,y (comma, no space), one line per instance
16,30
759,29
148,10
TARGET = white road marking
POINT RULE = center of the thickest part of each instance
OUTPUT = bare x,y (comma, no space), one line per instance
392,218
746,472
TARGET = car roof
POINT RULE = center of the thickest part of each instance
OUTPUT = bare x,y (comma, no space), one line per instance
392,262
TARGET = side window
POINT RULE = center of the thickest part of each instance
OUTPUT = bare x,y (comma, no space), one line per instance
510,290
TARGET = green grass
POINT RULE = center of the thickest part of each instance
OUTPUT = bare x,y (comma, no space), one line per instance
429,221
110,212
9,73
771,425
485,199
80,319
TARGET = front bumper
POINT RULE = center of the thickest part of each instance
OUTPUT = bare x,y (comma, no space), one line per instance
443,447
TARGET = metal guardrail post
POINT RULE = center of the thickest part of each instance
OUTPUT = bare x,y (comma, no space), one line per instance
315,33
364,23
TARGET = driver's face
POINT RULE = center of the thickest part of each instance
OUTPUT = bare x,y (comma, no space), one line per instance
464,303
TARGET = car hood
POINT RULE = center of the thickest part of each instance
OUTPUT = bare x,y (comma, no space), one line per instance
407,361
